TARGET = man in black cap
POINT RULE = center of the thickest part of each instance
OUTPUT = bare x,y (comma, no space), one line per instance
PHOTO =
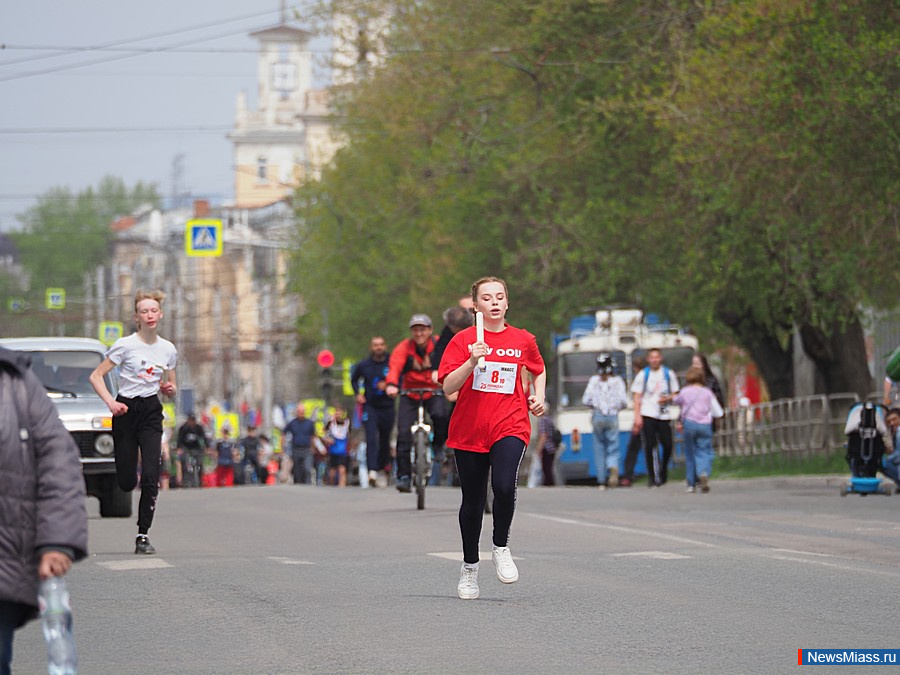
410,367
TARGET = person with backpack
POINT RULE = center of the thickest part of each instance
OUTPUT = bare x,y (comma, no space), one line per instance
43,519
653,417
410,367
549,440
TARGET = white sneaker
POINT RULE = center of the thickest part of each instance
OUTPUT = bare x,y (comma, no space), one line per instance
468,582
506,568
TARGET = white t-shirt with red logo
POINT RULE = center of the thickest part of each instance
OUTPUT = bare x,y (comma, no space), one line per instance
492,403
141,366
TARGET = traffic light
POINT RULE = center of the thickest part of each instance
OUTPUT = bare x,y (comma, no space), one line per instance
325,382
325,359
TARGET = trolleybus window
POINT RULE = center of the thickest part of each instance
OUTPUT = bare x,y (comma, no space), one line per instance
575,371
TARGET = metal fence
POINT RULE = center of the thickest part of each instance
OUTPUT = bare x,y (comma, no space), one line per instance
800,427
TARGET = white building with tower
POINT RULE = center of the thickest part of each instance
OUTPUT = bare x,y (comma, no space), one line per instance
289,137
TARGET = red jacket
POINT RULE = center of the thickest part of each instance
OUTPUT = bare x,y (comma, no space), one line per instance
408,370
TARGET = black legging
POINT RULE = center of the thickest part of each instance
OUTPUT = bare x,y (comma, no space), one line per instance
503,464
140,427
657,432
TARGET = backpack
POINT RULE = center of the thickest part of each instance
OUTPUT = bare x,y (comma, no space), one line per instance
556,436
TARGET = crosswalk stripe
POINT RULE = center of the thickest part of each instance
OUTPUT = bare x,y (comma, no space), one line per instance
288,561
135,564
656,555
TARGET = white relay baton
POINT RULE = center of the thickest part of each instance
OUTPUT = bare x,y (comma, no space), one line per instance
479,335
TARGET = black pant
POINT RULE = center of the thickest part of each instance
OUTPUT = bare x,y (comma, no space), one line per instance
657,432
547,461
631,455
140,427
302,465
12,616
503,464
379,423
407,415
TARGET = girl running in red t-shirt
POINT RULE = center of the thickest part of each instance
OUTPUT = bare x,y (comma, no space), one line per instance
490,428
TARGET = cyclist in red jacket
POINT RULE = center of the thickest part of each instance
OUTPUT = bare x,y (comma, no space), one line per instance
410,367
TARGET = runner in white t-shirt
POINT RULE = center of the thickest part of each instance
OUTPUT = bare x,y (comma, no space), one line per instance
146,367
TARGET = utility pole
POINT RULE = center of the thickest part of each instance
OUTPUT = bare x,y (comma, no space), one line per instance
184,368
267,365
235,359
218,385
88,306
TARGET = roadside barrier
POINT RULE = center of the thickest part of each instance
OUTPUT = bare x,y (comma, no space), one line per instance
802,427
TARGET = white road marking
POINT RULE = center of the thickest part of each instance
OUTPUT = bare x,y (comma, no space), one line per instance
620,528
790,550
656,555
136,564
289,561
457,556
849,568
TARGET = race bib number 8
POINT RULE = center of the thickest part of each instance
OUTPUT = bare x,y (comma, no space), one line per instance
496,378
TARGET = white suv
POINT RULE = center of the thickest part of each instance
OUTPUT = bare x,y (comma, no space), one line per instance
64,366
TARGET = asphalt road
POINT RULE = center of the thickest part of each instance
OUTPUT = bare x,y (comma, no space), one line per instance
285,579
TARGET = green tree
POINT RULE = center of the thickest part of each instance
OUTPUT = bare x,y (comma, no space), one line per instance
66,235
786,136
730,165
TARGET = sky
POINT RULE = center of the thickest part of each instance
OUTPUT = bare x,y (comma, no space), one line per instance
106,87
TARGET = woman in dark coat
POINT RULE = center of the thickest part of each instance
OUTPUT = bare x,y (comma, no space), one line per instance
43,520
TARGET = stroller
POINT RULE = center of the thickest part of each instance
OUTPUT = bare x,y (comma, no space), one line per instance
865,449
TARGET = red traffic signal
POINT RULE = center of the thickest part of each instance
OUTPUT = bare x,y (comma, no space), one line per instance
325,358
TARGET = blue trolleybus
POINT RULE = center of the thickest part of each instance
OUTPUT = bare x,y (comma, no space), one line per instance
623,333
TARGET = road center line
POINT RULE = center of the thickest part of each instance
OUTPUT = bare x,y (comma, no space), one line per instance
620,528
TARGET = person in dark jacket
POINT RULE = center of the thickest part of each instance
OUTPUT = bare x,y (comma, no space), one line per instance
378,409
43,519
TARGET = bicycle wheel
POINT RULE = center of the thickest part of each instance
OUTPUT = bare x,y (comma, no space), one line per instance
421,444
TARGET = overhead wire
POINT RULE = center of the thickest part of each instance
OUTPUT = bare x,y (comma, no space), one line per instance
109,46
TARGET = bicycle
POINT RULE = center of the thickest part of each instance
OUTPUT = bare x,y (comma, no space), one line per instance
192,469
420,452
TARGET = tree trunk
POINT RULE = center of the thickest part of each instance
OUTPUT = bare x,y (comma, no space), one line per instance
775,363
840,358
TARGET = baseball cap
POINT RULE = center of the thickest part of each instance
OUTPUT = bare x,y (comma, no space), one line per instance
420,320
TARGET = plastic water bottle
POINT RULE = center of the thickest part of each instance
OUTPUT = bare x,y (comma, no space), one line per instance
56,618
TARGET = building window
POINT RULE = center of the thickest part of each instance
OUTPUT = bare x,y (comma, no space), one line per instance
262,170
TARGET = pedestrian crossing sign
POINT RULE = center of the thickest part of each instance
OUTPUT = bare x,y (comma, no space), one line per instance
203,237
56,298
110,331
